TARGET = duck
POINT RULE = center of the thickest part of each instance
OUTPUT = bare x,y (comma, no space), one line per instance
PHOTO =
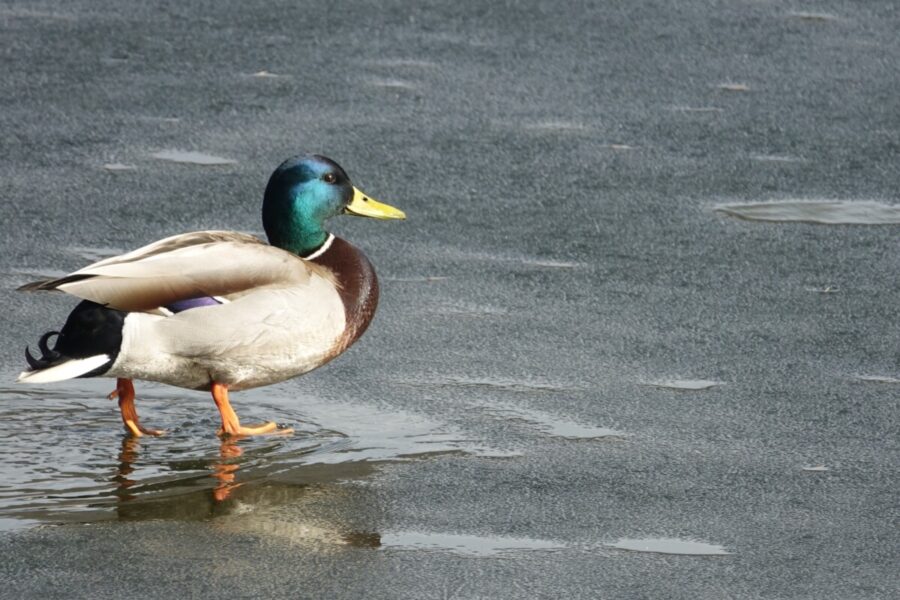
222,311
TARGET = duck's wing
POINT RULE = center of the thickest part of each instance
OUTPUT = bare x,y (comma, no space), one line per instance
190,265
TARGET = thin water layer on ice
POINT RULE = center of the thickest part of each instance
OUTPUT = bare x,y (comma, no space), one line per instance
877,378
559,125
552,425
390,83
544,422
551,264
466,545
698,109
776,158
825,212
669,546
812,16
505,384
686,384
403,62
734,87
192,158
66,457
265,75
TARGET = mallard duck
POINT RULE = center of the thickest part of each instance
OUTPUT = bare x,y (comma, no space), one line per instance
220,310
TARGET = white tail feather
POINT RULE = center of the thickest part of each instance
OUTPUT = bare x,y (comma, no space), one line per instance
67,370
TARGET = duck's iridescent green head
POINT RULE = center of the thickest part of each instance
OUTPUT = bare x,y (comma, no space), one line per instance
303,193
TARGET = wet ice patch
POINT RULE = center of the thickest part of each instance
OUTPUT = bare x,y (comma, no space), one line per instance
119,167
265,75
390,83
733,87
824,212
550,264
877,378
161,119
497,383
293,525
698,109
25,13
403,62
812,16
669,546
541,421
685,384
66,459
776,158
466,545
551,424
539,262
423,279
377,435
555,125
469,309
192,158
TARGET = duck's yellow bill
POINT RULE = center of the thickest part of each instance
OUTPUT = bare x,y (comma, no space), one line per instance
363,206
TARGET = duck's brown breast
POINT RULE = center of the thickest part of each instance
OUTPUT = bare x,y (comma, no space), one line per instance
357,286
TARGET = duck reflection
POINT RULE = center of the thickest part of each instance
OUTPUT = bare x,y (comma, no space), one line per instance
127,457
223,470
290,508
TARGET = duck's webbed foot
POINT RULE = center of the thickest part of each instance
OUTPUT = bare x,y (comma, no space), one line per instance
231,425
125,393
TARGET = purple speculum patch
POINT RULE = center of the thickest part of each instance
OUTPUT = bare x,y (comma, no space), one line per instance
189,303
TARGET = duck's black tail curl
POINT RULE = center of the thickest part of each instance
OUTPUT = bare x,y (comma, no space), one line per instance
87,345
48,357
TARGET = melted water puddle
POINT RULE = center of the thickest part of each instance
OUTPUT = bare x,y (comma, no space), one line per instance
776,158
877,378
119,167
559,125
466,545
669,546
686,384
192,158
812,16
465,309
266,75
403,63
420,279
66,458
532,262
499,383
813,211
499,546
390,83
543,422
552,425
733,87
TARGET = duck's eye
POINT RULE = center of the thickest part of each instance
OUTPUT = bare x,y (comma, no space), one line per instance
329,178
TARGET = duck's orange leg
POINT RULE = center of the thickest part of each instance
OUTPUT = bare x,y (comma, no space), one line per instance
231,425
125,393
